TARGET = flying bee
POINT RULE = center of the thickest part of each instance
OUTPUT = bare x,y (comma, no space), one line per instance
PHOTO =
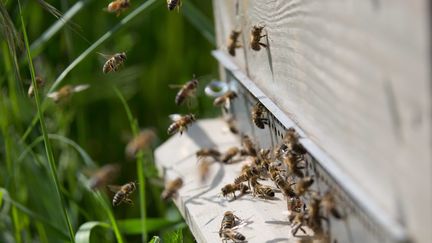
225,100
329,206
118,6
114,62
208,152
302,185
232,125
122,193
228,221
255,38
232,188
66,92
186,92
39,83
180,123
141,142
283,185
229,154
230,234
257,113
204,169
248,145
105,175
171,188
172,4
232,42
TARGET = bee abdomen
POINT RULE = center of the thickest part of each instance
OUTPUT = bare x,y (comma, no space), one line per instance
173,128
118,198
172,4
240,179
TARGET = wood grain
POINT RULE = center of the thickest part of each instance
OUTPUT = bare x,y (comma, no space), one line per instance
356,76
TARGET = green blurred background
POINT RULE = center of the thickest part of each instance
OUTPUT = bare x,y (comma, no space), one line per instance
162,48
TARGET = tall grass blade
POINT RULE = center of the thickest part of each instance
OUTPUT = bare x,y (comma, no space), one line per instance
63,20
155,239
134,226
48,148
84,232
140,165
199,21
108,211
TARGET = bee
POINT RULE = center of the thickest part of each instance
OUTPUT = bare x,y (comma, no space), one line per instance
314,217
261,190
232,188
104,175
293,166
140,142
230,234
255,38
66,92
172,4
302,185
248,145
291,140
229,154
180,123
294,204
113,63
122,193
204,169
257,112
247,174
118,6
228,221
39,82
187,91
297,220
208,152
232,125
283,185
329,206
232,42
225,100
171,188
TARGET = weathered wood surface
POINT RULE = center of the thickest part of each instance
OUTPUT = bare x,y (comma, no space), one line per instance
355,76
201,205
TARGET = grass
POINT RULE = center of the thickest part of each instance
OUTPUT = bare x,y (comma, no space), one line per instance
47,149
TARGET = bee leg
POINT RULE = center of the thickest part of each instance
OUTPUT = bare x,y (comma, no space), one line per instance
262,44
128,201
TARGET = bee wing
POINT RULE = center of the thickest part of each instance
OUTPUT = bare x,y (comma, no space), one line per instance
81,87
175,117
53,95
175,86
104,55
114,188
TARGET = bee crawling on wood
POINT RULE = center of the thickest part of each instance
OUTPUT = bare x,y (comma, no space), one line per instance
118,6
260,190
232,126
180,123
66,92
329,206
172,4
255,38
171,188
248,173
230,234
232,188
291,140
303,185
248,145
232,43
113,62
297,221
229,221
186,92
122,193
225,100
257,113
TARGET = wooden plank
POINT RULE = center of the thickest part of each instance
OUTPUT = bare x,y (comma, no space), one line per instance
355,77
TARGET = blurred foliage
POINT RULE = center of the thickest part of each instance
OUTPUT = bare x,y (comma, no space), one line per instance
92,129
